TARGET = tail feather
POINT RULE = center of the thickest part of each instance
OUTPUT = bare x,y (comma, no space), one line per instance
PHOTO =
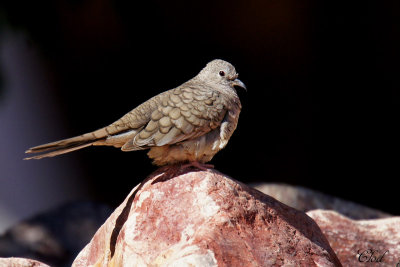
55,151
65,145
108,136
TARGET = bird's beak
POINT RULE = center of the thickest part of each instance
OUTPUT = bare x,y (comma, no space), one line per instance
239,83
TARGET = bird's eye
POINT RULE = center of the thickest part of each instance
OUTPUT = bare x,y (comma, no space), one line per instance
221,73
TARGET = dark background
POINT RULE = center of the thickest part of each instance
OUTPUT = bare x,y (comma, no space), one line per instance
322,77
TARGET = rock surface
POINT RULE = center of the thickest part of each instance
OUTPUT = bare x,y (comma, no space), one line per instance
57,236
361,243
305,199
20,262
183,217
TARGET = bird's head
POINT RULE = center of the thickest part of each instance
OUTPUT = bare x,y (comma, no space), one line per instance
220,72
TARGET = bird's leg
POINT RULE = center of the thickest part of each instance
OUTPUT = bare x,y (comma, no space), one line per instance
199,165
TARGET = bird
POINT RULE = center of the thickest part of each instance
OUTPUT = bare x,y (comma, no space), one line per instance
188,124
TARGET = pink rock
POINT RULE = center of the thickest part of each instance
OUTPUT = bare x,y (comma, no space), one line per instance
20,262
361,243
203,218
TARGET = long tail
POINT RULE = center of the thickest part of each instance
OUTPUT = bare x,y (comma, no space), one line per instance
67,145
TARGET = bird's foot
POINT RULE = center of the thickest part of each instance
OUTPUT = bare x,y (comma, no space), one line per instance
198,165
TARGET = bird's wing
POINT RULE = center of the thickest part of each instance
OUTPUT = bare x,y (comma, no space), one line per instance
183,113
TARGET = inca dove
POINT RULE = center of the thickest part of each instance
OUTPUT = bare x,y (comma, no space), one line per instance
190,123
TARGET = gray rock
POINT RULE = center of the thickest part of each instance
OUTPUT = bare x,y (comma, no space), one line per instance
57,236
305,199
